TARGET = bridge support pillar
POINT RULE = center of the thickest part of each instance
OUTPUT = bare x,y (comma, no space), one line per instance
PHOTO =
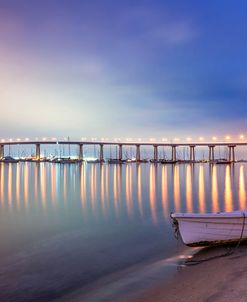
174,155
1,151
101,155
231,153
120,152
81,152
155,153
37,151
138,153
192,153
211,153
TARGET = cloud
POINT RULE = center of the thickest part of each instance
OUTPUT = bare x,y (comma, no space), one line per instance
158,26
173,33
12,30
123,70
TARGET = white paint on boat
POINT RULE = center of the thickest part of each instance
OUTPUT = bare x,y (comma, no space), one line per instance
209,229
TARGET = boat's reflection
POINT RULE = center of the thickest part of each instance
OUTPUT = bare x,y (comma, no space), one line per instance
140,191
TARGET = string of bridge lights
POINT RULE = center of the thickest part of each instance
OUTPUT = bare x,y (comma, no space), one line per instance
226,138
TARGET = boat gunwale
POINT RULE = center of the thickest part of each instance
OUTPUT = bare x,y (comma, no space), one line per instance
222,215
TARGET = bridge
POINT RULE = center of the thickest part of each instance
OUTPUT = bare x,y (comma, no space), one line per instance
155,145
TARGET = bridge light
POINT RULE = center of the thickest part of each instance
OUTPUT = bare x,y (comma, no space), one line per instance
44,139
2,140
227,137
164,139
139,139
18,139
241,136
10,139
26,139
188,139
54,138
201,138
214,138
176,139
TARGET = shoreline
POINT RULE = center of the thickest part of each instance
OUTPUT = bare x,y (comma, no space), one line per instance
222,279
171,280
132,282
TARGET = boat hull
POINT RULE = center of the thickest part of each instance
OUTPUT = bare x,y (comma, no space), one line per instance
211,229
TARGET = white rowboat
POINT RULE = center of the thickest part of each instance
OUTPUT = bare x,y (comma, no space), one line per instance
211,229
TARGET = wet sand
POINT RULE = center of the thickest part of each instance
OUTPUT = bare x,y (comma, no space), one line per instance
221,279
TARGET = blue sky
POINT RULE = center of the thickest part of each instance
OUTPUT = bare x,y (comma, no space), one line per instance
123,68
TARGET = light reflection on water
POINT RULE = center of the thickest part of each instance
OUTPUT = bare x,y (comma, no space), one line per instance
139,189
214,190
242,192
164,192
134,191
201,190
228,191
176,188
189,195
118,212
152,192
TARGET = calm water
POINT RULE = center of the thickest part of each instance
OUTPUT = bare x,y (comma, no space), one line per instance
63,227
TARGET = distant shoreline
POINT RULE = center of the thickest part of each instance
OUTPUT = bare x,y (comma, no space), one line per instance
76,161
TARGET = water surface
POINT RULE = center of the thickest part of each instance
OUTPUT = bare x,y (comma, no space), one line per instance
63,227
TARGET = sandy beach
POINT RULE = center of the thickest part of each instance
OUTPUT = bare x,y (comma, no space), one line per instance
221,279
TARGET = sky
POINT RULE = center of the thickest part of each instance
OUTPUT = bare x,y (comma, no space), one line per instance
123,69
